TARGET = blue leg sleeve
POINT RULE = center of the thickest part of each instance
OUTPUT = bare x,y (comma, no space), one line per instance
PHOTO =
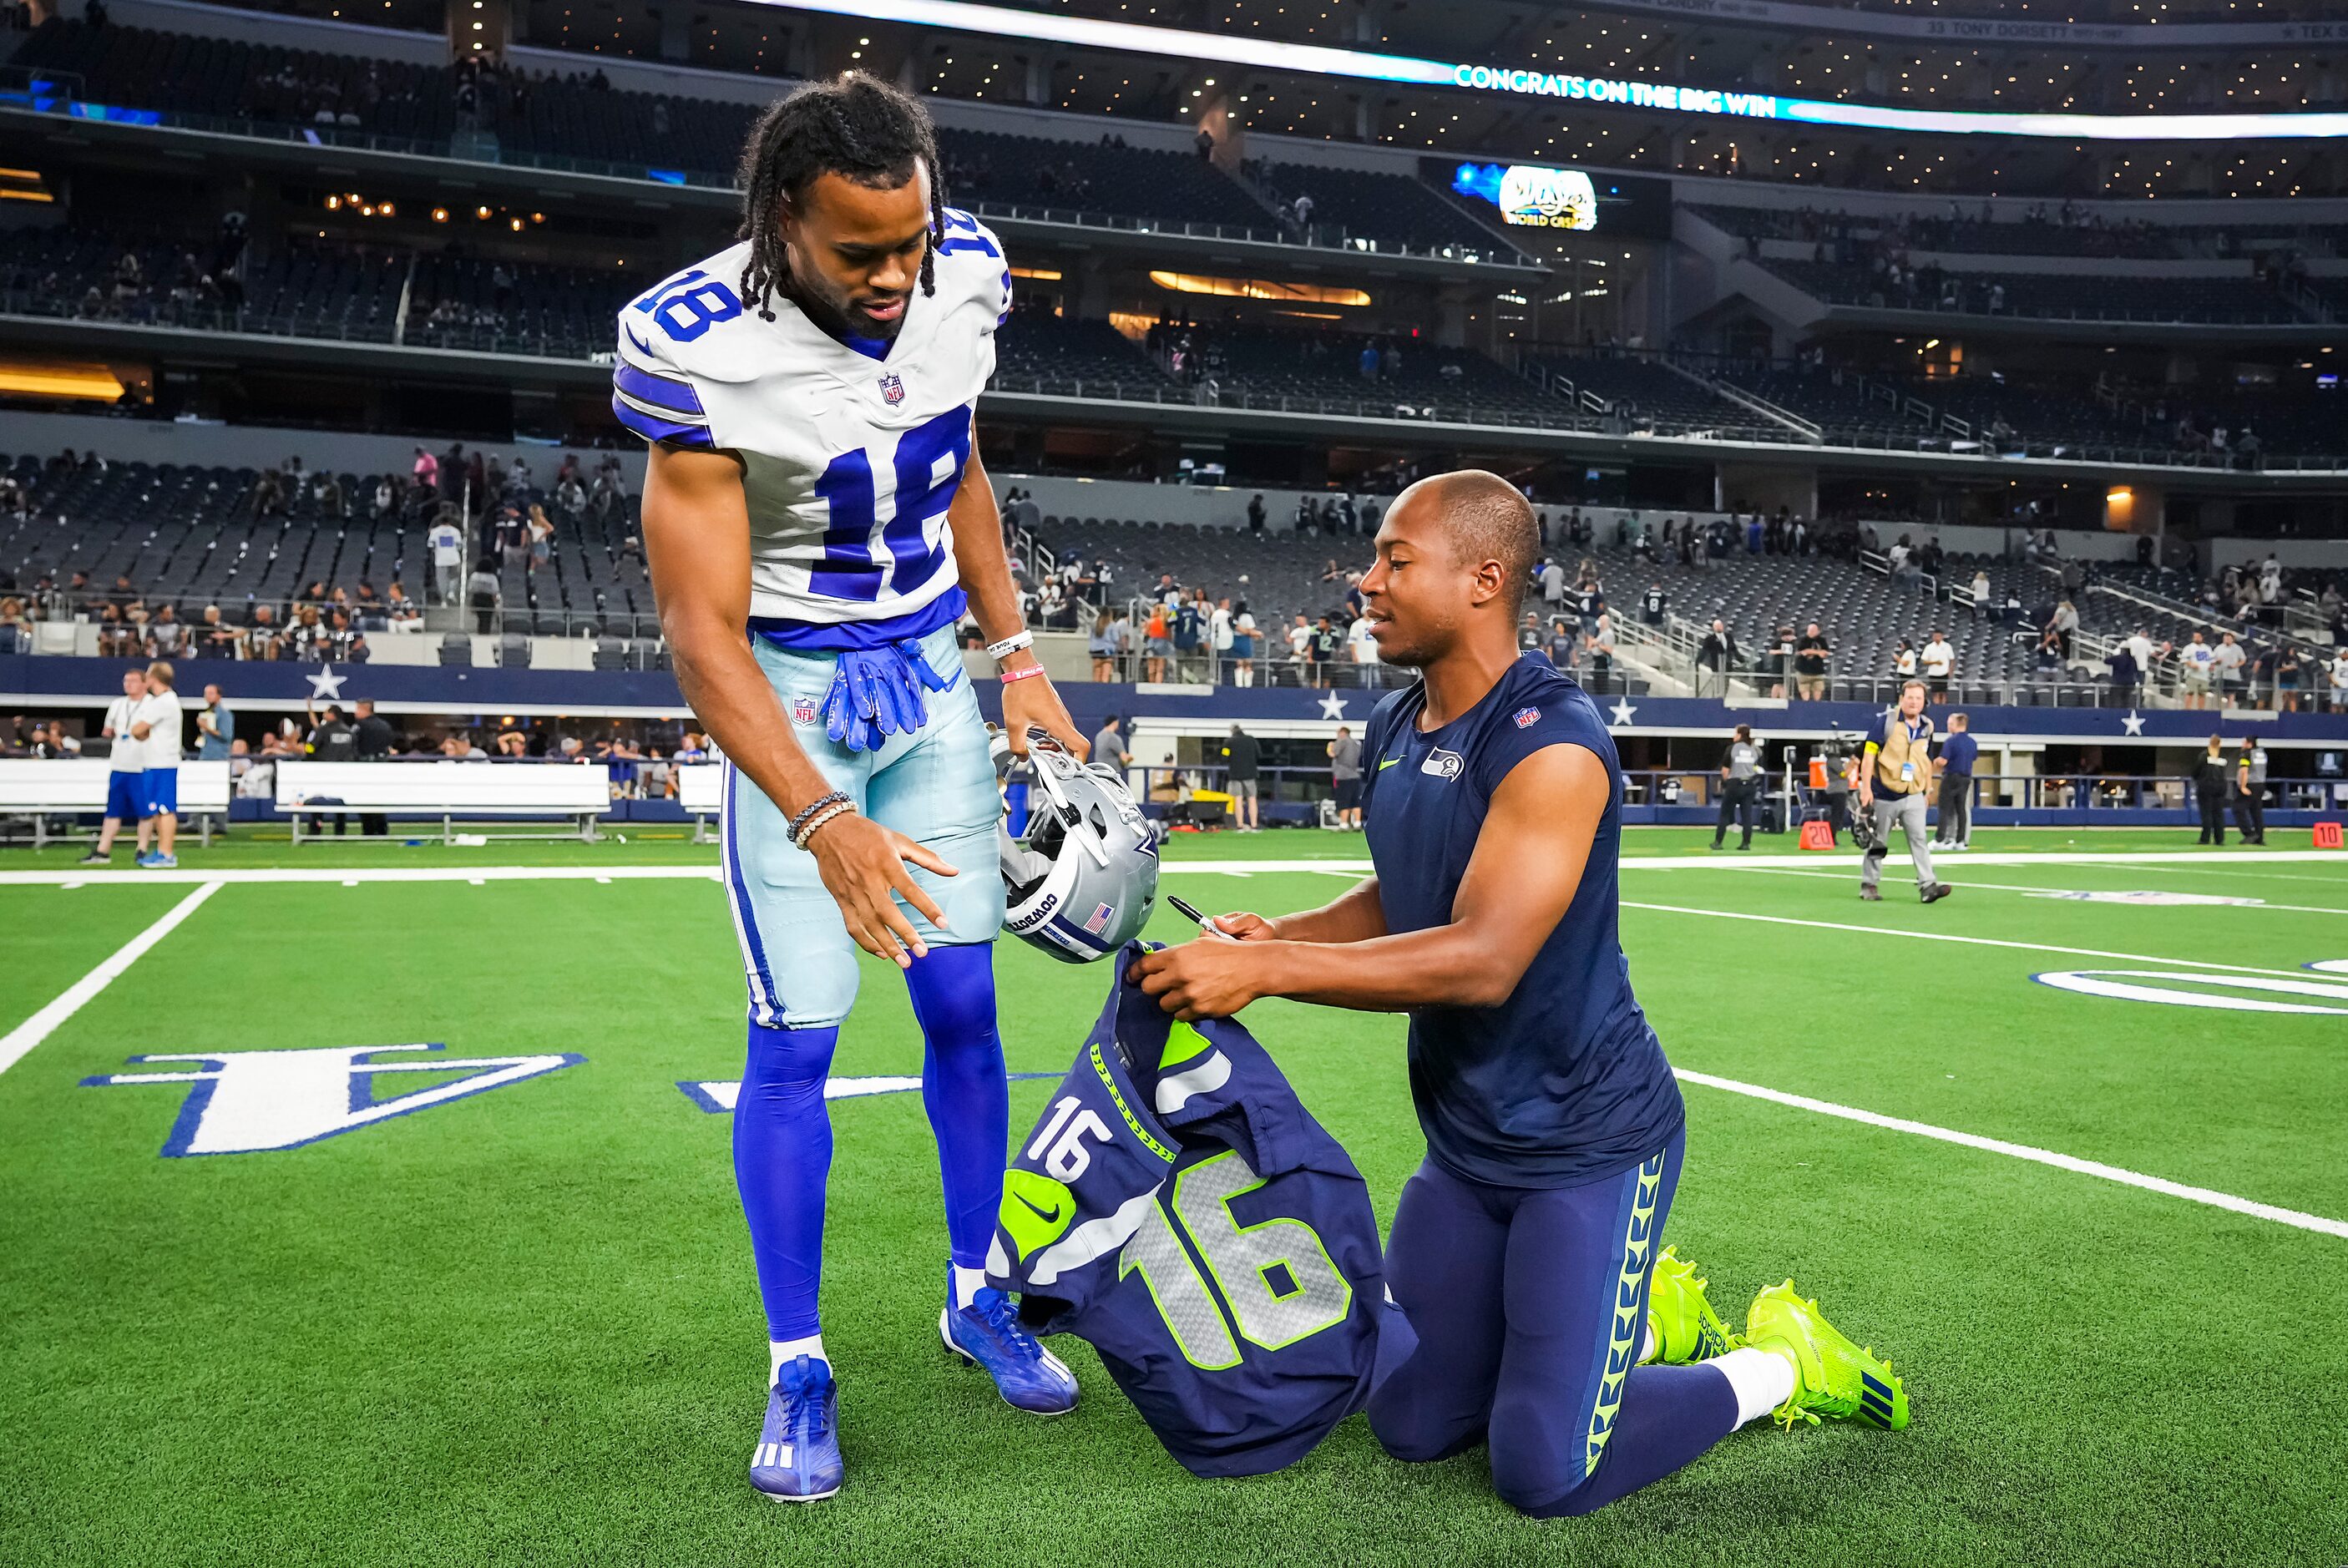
963,1087
782,1156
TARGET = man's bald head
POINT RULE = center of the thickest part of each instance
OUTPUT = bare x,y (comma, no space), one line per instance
1484,517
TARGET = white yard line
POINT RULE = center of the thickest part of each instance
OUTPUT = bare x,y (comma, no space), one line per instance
1951,936
44,1023
1333,866
2025,887
2094,1167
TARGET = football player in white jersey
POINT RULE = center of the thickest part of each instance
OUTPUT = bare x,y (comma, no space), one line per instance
817,519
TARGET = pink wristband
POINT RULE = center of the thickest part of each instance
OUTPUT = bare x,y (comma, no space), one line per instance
1007,677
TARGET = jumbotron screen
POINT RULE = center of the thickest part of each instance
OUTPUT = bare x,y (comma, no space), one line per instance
1537,196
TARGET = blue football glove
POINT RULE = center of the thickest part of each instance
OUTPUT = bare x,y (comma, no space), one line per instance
876,693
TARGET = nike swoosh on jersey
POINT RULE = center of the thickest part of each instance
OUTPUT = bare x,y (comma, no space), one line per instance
1388,763
1049,1216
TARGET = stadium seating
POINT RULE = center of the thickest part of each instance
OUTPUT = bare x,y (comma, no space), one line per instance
2232,300
1036,350
1647,395
199,536
1350,202
311,289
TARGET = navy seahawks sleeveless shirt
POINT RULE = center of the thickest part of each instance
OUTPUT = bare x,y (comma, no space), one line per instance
1564,1082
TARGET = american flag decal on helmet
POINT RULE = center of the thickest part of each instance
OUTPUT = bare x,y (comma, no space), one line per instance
1093,927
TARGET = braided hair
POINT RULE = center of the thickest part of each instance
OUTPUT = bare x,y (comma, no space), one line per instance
854,126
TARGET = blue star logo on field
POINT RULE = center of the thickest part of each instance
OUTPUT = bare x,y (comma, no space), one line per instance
325,686
1527,718
892,387
250,1102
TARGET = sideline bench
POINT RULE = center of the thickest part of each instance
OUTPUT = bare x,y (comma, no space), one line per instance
451,790
42,787
701,791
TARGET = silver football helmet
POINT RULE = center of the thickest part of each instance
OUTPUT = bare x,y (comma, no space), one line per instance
1083,882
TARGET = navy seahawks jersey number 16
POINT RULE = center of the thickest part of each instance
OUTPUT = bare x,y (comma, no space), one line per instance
1178,1208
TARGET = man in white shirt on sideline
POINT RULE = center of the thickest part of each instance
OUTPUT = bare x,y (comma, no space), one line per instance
127,766
156,725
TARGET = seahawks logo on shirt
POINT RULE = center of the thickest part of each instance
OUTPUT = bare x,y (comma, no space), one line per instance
1443,764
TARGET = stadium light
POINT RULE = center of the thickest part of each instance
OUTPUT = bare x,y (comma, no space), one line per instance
1522,81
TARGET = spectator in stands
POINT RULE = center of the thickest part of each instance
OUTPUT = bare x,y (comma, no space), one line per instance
1598,652
1362,647
540,531
2065,623
1327,641
1979,601
2290,672
214,637
1156,642
1220,635
2226,660
1562,645
1102,646
2127,675
1244,645
1255,513
215,727
447,546
2048,662
2197,663
1810,655
1904,666
1241,758
262,639
399,611
1719,651
2337,676
484,593
1345,778
1939,660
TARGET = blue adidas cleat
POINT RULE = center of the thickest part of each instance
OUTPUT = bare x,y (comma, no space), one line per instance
988,1334
797,1458
160,862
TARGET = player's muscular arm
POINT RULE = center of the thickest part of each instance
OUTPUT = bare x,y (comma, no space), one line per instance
1527,863
697,543
977,525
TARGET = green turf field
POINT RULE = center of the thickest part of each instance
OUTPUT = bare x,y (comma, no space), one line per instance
522,1325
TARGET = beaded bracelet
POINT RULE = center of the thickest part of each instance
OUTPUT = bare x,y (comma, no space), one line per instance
812,807
842,808
1007,677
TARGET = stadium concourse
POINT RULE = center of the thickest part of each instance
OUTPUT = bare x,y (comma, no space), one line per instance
393,1176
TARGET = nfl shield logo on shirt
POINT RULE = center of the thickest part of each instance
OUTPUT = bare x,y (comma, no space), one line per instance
803,710
892,387
1526,716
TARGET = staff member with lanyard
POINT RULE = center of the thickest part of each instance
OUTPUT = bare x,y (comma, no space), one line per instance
2209,787
2250,793
1958,754
1892,779
1740,788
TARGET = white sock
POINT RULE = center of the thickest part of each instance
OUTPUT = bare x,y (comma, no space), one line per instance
1651,1344
779,1351
967,1285
1761,1380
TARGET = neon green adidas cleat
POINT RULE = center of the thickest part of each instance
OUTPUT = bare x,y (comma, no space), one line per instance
1684,1326
1832,1377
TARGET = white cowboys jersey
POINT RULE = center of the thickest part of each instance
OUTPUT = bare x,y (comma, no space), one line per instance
848,461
